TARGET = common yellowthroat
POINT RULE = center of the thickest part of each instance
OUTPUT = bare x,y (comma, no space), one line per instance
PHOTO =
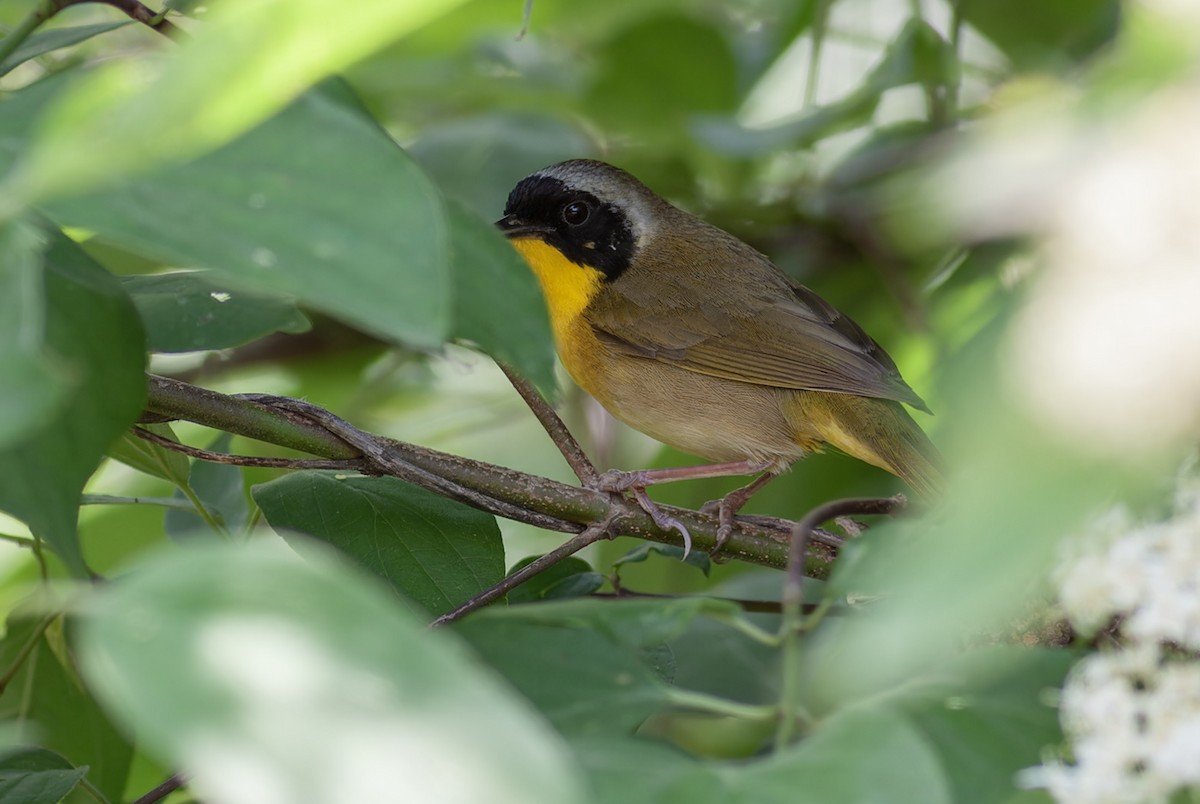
684,332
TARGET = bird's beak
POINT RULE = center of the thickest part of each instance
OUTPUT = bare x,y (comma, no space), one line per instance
513,227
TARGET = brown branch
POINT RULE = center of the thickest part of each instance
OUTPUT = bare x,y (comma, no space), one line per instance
589,535
505,492
135,11
173,783
211,456
584,469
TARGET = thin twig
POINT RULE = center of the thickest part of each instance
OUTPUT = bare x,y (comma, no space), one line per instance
793,598
246,460
584,469
589,535
173,783
135,11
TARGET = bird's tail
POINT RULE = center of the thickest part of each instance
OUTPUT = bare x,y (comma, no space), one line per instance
880,432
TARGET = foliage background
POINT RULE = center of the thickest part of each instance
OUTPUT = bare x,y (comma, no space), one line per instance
875,149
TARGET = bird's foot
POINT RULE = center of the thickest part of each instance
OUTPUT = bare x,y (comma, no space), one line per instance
724,510
663,521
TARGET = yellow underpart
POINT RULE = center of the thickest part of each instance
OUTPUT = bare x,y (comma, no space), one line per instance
567,286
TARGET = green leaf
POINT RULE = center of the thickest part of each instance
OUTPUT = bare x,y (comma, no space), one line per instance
55,710
35,386
698,559
851,757
584,682
36,776
187,311
148,457
222,490
91,329
665,47
245,63
571,577
309,676
436,551
42,42
986,716
1051,35
640,771
497,303
318,204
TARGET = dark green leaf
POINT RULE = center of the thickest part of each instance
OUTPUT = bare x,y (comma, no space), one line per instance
42,42
312,675
436,551
1056,34
497,304
36,776
584,682
222,490
148,457
34,386
316,203
571,577
91,329
696,558
56,711
188,311
640,771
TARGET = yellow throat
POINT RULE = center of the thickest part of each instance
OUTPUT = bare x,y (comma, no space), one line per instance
568,286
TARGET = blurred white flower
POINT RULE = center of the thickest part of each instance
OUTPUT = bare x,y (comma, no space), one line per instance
1132,715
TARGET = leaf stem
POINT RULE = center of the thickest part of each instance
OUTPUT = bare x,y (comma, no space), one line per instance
819,26
25,650
702,702
109,499
794,623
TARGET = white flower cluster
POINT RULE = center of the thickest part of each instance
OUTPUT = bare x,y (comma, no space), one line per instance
1133,715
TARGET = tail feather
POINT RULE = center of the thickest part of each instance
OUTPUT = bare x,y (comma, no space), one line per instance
879,432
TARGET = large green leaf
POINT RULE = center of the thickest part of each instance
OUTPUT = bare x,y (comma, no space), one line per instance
244,64
36,776
90,329
310,678
318,203
1054,34
434,550
497,304
187,311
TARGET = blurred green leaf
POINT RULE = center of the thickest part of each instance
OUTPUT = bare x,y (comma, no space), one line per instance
311,676
248,61
571,577
317,203
433,550
35,385
55,710
693,72
698,559
91,329
478,160
497,303
148,457
1056,34
186,311
36,776
222,490
41,42
986,717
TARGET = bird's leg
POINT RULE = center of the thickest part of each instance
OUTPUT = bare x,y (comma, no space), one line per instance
618,481
728,506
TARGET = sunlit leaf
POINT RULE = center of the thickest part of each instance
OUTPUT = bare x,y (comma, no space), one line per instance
310,677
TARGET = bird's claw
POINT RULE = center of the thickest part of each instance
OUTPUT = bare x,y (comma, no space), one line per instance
614,480
663,520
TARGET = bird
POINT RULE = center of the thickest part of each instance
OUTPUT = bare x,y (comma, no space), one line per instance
691,336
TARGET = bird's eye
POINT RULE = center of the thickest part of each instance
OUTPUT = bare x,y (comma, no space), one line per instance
576,213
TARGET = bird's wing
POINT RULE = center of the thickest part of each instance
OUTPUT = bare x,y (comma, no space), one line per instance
783,335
